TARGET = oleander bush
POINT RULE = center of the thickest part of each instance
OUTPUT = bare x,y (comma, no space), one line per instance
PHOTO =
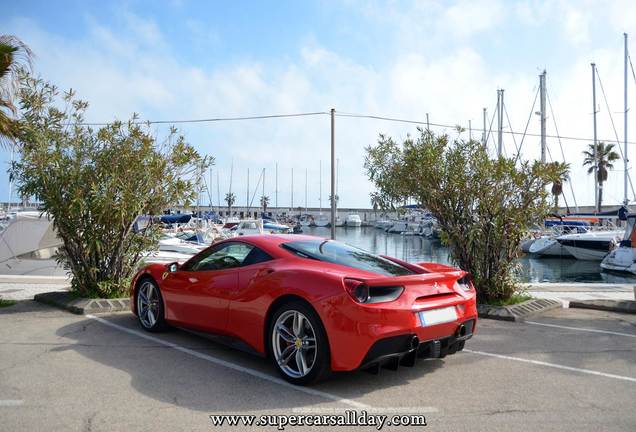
95,181
483,204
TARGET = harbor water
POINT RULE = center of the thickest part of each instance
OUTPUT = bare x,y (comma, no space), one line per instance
417,249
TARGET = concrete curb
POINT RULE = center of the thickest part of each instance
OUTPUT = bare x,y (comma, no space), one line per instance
82,306
623,306
518,312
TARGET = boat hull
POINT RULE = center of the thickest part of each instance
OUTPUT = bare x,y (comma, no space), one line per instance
549,247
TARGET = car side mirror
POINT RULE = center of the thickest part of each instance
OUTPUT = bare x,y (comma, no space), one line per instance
173,267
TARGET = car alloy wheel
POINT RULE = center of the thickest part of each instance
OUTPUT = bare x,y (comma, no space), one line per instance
149,306
294,344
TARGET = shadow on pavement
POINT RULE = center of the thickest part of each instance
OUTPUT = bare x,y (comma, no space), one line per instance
177,378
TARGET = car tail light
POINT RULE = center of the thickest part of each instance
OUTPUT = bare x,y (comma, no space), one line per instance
465,283
357,290
363,293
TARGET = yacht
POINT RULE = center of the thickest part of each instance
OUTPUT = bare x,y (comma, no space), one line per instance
592,245
353,220
622,259
548,245
321,221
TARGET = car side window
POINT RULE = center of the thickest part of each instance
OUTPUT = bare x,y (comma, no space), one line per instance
226,256
256,256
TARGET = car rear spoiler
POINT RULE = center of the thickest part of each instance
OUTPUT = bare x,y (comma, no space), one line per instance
422,267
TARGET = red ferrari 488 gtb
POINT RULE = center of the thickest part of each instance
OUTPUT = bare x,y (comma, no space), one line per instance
311,305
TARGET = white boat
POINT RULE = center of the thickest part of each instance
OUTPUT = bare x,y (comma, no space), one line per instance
175,244
165,257
398,227
622,259
321,221
526,244
383,224
592,245
548,246
249,227
353,220
28,233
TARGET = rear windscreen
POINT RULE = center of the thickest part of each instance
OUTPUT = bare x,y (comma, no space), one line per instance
340,253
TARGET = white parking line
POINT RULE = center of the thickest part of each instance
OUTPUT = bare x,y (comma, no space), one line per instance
233,366
583,329
552,365
10,402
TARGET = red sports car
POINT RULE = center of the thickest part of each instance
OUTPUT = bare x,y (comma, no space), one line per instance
311,305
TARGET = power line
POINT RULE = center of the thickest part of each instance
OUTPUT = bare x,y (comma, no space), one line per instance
218,119
376,117
338,114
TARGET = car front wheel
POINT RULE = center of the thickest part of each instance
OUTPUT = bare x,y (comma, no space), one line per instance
298,344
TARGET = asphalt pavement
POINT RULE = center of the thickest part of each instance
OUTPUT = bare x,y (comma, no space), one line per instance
568,369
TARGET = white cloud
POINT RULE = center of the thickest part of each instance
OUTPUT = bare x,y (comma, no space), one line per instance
136,71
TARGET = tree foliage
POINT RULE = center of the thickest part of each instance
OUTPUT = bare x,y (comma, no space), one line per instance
483,205
264,202
94,183
230,199
603,162
14,56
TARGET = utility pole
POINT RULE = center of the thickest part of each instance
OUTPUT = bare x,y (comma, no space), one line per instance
263,196
483,135
542,113
333,173
595,142
500,102
470,130
428,124
320,187
625,160
292,191
247,202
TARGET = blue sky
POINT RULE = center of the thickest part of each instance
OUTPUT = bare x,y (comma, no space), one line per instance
200,59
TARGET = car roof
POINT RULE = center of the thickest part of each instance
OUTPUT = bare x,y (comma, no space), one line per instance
266,241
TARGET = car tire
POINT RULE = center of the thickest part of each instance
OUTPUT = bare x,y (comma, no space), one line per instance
149,306
299,353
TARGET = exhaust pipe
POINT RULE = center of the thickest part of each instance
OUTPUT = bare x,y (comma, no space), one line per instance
461,331
415,342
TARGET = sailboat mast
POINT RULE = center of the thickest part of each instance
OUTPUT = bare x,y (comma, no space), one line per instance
292,190
625,199
500,94
542,114
218,191
320,187
595,138
276,186
247,197
305,190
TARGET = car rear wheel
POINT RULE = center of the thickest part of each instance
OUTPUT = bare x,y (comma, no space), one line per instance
150,311
298,344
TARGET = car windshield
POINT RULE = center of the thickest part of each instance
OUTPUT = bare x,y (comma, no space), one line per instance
343,254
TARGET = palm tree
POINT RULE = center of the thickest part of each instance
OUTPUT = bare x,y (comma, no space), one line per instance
264,202
230,199
561,175
605,156
14,56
